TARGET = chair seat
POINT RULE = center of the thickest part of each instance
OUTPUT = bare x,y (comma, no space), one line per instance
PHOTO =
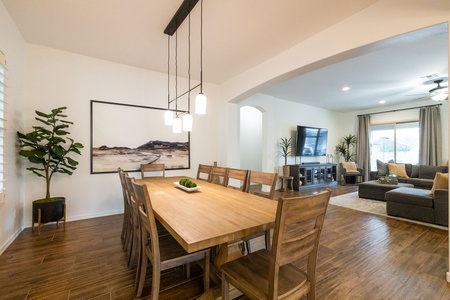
252,272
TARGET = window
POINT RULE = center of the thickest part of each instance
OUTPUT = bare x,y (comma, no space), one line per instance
2,120
397,141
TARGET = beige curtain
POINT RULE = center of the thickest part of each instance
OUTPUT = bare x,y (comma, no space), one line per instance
430,135
363,145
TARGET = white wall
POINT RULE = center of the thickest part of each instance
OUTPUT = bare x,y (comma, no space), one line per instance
13,46
57,78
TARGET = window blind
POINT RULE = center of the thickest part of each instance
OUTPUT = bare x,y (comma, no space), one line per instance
2,124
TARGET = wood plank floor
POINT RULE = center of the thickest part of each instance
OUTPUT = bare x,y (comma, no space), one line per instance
362,256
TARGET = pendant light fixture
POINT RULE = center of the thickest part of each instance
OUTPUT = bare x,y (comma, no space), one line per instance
200,100
184,124
187,118
168,114
439,93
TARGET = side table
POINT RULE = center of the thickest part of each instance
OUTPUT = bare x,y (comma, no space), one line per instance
289,182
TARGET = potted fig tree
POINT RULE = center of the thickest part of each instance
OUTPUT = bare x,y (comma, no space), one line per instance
47,148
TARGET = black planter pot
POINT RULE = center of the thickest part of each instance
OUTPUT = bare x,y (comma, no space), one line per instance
53,210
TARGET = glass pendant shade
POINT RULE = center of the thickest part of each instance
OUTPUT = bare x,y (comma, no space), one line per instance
187,122
200,104
439,94
176,125
168,117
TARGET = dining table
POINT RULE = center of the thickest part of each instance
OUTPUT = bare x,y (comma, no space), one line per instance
209,215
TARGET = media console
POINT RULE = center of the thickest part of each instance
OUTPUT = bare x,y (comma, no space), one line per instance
312,173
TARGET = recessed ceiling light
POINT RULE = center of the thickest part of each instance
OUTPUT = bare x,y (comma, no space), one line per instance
345,88
382,101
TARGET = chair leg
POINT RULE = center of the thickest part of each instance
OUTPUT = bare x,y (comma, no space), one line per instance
225,289
143,273
267,239
156,282
206,272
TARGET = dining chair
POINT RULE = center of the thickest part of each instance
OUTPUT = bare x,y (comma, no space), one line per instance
134,241
219,175
204,172
163,252
158,169
126,226
275,274
260,181
238,177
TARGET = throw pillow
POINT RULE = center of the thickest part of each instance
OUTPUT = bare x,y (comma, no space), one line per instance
398,169
440,182
382,168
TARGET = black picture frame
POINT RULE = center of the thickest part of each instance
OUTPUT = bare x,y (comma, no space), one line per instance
127,135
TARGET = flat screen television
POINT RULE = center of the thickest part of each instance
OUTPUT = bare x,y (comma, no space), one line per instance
311,141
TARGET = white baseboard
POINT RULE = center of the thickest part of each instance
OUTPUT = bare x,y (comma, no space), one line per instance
10,240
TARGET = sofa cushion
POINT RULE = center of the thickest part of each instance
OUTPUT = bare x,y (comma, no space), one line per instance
418,182
408,168
398,169
411,196
440,182
414,171
428,172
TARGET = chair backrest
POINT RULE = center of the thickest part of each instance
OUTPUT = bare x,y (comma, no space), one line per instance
122,182
129,185
159,169
219,175
239,176
149,232
262,179
349,166
298,226
204,172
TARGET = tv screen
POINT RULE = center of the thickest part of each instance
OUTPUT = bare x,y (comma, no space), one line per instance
311,141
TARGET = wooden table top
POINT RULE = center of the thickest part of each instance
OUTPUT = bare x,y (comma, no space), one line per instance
211,216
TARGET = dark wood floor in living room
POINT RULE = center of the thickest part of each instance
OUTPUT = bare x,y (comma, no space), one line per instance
362,256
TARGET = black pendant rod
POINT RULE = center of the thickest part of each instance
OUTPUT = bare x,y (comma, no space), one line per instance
181,14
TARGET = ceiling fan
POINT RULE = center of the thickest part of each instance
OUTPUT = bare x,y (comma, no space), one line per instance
439,93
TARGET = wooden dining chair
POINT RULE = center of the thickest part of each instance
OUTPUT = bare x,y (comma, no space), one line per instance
163,252
219,175
153,170
275,274
134,241
261,180
204,172
238,178
126,225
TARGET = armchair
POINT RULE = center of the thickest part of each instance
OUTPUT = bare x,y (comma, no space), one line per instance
350,169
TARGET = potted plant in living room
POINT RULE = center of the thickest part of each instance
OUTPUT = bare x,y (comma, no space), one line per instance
285,151
49,146
344,147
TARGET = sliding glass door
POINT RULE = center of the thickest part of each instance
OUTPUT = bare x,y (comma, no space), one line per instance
396,141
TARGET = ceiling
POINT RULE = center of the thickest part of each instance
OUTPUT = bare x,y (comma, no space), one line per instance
236,37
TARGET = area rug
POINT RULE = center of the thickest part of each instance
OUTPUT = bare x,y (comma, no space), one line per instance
352,201
375,207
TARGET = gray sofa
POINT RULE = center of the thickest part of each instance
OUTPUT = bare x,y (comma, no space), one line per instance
420,176
418,204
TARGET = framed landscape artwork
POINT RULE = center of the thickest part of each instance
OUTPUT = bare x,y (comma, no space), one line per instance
126,136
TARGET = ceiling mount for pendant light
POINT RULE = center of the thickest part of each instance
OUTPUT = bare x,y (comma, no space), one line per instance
200,102
439,93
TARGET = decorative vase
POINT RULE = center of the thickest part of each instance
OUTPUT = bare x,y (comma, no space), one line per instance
286,171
